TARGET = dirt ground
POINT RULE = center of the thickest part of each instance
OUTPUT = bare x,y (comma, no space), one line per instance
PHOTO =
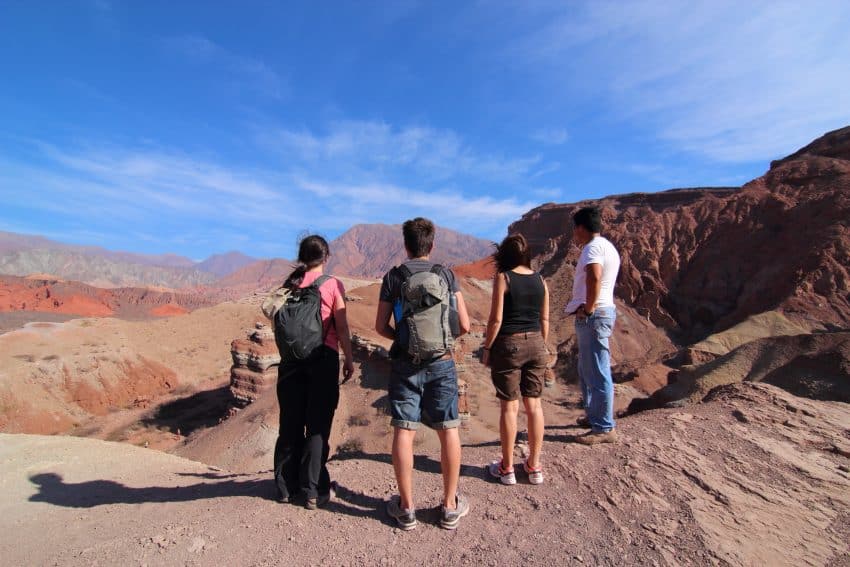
753,477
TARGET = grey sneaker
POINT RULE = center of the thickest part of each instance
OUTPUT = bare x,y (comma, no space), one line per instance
449,519
505,476
406,519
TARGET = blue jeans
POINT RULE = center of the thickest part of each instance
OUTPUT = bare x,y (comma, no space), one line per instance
426,393
594,367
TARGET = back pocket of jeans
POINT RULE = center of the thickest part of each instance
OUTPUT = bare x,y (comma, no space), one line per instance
603,326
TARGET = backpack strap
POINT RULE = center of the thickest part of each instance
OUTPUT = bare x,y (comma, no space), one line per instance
317,284
405,272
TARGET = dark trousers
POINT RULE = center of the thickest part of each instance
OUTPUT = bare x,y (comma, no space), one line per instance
307,393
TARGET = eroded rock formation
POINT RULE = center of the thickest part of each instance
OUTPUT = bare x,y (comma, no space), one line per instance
255,362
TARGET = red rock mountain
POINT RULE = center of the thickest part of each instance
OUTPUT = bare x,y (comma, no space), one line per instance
262,274
369,250
697,261
75,298
224,264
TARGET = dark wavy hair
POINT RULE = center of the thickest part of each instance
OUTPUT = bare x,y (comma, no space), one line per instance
418,236
590,218
313,251
512,252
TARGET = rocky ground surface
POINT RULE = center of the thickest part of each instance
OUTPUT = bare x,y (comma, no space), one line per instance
754,476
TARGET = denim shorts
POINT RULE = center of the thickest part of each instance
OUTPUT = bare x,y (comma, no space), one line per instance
423,394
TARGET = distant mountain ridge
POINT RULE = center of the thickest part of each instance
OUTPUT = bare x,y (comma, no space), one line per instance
363,251
22,254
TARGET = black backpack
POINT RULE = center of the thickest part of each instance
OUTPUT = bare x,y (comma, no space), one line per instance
298,329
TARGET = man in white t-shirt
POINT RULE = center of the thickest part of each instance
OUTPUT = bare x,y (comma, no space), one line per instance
593,305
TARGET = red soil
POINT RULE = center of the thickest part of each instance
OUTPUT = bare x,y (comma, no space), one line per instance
169,310
483,269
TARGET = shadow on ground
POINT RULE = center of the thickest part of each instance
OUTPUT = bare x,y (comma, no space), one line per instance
54,490
198,411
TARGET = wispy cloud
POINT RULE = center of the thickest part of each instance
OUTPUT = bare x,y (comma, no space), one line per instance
378,146
244,71
181,199
388,203
551,136
729,81
108,185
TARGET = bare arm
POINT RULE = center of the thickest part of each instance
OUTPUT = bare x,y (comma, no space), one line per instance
594,286
494,323
462,314
344,337
382,320
544,314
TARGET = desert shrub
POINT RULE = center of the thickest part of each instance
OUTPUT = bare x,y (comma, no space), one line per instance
358,420
351,446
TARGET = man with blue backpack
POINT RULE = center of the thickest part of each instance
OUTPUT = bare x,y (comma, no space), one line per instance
425,302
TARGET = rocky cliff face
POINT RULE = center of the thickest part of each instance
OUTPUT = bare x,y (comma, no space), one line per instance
697,261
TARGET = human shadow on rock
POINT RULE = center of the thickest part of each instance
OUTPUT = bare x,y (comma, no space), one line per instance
421,463
54,490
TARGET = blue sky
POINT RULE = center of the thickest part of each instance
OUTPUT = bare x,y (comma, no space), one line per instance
201,127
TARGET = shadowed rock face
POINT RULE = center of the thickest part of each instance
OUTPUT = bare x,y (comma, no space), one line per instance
697,261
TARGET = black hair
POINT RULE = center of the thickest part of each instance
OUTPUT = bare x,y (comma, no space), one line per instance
512,252
313,251
418,236
590,218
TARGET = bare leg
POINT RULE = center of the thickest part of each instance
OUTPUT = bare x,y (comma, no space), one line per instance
450,464
534,411
507,431
403,465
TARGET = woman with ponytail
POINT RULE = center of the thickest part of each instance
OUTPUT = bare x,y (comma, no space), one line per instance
308,390
515,351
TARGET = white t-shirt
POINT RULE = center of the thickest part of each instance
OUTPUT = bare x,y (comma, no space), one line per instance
598,251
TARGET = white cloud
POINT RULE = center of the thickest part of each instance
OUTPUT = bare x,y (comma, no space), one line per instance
143,185
244,71
731,81
372,146
179,198
381,202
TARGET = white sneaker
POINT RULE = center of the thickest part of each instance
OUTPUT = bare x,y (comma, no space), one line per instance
506,477
535,476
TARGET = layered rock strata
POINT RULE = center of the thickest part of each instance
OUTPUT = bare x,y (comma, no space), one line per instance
255,362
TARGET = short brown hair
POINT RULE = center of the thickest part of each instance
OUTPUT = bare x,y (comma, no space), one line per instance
512,252
418,236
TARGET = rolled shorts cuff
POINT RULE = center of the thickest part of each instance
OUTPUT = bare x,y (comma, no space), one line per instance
404,424
414,425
